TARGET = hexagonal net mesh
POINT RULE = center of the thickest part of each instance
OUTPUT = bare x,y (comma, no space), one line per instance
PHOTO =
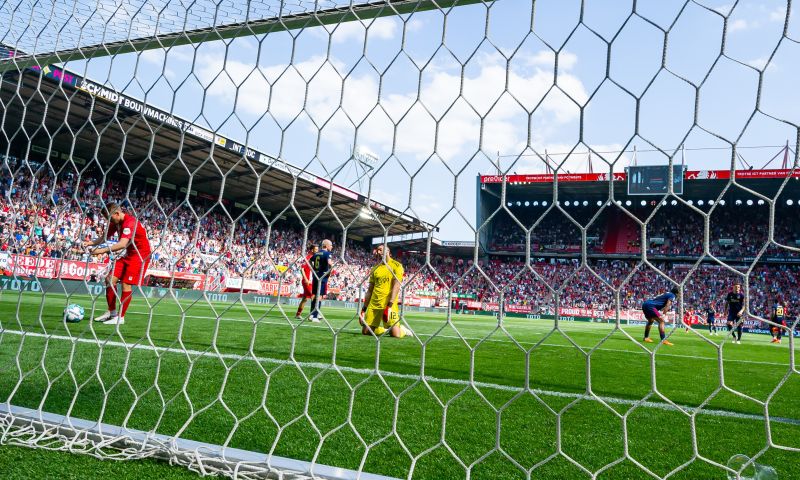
168,169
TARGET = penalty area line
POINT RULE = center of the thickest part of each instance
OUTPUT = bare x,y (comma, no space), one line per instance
390,374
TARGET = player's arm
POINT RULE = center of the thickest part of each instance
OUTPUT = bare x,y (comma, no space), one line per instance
122,244
125,236
667,306
93,243
329,273
98,240
367,296
395,292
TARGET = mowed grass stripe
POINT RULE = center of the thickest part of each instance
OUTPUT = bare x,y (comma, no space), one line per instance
425,323
448,357
368,372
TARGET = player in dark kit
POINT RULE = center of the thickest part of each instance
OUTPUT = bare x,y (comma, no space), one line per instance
735,302
321,266
653,308
711,312
778,316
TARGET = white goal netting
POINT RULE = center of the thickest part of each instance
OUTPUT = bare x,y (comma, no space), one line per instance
242,135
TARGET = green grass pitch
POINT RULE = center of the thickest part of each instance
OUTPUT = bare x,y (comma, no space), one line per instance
247,377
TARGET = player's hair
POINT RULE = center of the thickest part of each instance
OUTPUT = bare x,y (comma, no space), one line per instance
312,247
110,209
675,290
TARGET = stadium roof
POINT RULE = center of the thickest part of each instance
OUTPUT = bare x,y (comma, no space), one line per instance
419,243
52,105
595,186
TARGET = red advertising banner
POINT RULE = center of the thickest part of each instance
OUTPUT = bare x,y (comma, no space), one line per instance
568,312
548,178
491,307
622,176
518,308
198,278
26,266
740,174
275,289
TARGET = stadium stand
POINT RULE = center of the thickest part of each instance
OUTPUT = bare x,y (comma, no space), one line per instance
619,234
41,215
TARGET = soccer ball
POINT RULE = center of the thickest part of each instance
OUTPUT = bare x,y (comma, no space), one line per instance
73,313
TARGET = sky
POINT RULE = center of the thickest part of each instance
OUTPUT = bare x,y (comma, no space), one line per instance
442,96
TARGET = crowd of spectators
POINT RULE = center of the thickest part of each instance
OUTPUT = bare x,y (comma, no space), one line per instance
544,281
672,231
48,215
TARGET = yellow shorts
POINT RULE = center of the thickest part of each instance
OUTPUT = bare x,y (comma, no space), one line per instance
374,316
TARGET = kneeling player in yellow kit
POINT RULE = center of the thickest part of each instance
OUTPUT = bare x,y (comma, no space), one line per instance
380,302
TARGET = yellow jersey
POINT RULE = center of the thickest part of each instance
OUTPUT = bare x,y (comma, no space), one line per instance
381,278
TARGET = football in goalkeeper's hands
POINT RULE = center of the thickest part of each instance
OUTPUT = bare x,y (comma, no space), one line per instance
73,313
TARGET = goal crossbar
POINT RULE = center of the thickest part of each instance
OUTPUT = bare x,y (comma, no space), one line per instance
329,16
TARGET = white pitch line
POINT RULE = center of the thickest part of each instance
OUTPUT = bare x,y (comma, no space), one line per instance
404,376
536,328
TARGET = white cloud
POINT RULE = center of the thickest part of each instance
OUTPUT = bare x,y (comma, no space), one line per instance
546,58
723,9
778,15
384,28
167,58
738,25
386,197
756,17
415,25
427,205
761,62
414,118
577,161
758,62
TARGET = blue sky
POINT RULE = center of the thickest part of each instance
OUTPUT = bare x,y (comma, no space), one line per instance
438,97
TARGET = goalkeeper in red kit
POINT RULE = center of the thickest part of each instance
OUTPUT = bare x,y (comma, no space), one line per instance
306,281
131,268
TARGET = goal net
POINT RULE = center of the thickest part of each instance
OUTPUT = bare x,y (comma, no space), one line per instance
402,239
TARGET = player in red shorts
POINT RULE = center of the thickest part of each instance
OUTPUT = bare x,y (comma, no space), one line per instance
305,280
130,268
